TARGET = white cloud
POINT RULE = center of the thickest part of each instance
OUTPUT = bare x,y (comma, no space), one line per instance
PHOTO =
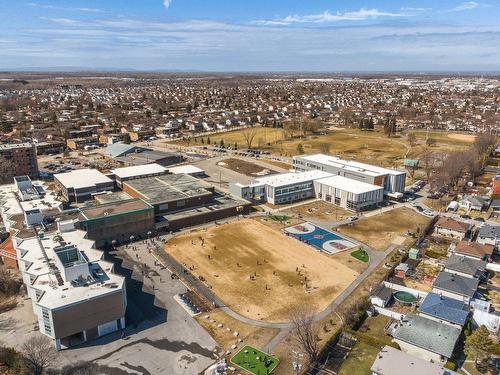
466,6
166,3
327,16
54,7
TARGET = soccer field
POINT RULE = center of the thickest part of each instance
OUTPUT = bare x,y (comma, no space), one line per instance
255,361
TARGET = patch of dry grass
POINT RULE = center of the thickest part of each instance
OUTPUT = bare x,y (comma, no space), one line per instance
380,231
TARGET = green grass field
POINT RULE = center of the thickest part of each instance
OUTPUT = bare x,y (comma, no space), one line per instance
361,255
254,361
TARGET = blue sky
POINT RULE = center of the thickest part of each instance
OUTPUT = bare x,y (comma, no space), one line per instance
257,35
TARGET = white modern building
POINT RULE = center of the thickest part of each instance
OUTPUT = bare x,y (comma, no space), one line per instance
295,186
393,181
279,188
347,193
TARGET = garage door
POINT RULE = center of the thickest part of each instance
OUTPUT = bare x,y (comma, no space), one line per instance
106,328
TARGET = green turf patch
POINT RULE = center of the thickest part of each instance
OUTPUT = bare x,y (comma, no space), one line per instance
254,361
361,255
280,218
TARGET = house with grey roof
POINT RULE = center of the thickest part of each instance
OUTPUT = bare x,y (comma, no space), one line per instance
455,286
471,202
426,338
489,235
444,309
465,266
391,361
381,296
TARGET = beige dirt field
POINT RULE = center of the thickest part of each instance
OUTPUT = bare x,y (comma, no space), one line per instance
320,210
382,230
246,168
288,273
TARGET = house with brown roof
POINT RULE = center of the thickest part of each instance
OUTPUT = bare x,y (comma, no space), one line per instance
8,254
474,250
446,226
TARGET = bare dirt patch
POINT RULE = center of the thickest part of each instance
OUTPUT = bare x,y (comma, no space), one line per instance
246,168
320,210
259,272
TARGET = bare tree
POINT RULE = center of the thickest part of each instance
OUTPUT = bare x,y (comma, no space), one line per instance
428,163
38,353
291,128
249,135
306,335
412,139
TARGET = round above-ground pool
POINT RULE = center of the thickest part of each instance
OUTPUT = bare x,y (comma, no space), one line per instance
405,298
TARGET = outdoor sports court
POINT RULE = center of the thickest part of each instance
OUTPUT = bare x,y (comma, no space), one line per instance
320,238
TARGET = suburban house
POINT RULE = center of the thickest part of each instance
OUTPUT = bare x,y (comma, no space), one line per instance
474,250
471,202
401,270
426,338
489,235
446,226
391,361
455,286
465,266
444,309
381,296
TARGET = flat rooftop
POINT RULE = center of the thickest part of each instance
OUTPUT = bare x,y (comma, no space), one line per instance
219,203
351,165
290,178
185,169
350,185
114,208
138,170
82,178
12,146
169,188
57,292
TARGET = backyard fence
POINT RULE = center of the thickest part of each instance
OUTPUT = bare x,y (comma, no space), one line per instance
389,313
415,292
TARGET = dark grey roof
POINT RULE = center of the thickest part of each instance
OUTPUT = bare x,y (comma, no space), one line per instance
462,264
382,292
457,284
428,334
489,231
495,203
445,308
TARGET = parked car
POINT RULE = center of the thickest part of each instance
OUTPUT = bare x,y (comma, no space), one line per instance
353,218
419,208
466,217
428,213
480,219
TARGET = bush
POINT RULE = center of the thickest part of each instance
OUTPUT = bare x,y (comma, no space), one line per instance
11,359
451,365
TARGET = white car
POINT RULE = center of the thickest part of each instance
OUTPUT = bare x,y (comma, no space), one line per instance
352,218
428,213
413,204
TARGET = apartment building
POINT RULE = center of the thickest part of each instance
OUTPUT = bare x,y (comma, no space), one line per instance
22,157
